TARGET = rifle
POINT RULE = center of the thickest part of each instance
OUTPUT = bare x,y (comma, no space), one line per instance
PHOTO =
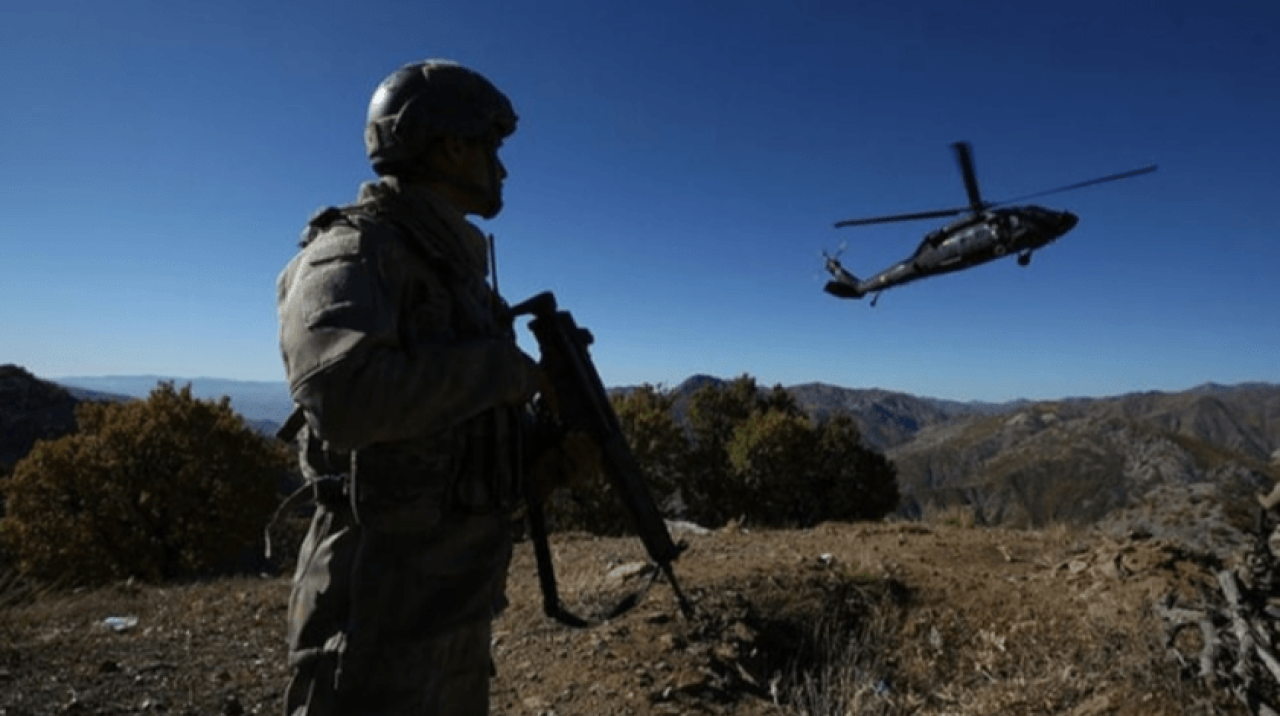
584,407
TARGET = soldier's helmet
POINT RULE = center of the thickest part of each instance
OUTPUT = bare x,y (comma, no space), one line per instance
424,101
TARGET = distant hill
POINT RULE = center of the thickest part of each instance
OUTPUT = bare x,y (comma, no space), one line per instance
1244,417
260,402
885,418
32,408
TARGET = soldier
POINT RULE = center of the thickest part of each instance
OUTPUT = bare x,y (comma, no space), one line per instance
403,361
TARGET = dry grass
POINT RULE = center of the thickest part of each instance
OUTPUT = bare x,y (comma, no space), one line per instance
882,667
850,672
881,651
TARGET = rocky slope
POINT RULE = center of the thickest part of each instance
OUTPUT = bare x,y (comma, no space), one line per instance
1173,465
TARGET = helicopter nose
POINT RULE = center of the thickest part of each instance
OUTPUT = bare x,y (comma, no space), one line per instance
1067,221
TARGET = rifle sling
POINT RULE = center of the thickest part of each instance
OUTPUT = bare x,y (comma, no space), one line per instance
551,605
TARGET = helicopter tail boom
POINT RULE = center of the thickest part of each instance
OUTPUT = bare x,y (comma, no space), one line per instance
843,283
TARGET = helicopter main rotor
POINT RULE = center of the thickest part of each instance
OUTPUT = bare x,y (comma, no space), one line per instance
964,157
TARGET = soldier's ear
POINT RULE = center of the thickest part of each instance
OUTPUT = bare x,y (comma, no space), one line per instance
453,152
441,157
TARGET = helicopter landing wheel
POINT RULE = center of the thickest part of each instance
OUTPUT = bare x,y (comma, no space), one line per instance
1024,259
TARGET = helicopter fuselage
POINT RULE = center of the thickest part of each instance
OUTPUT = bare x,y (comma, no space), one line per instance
984,232
972,240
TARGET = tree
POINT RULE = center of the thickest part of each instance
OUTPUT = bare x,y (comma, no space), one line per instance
646,415
857,483
745,452
773,469
757,455
715,411
789,472
167,487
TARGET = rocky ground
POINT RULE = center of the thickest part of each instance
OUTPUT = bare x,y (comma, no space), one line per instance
939,618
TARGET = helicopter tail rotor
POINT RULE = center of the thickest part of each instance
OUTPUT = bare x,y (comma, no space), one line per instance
843,283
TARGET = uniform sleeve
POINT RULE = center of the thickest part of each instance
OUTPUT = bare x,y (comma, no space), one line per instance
345,363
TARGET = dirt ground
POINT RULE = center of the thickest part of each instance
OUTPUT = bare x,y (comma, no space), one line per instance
841,619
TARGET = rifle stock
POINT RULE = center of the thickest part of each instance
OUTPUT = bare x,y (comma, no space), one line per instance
583,405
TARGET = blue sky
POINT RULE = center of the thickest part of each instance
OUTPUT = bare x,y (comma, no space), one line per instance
677,171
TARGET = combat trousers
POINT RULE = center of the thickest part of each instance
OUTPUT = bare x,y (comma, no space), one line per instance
394,624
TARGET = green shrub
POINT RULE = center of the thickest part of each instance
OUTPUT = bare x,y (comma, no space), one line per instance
757,455
713,493
773,470
789,472
657,440
167,487
855,482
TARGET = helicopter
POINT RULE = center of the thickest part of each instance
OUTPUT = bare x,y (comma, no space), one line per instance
986,232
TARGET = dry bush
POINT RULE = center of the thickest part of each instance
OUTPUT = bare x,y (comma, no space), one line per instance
156,489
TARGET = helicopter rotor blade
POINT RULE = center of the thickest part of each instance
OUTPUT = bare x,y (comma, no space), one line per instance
964,155
1110,177
940,213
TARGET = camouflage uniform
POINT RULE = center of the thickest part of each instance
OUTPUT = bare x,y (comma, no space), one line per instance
405,364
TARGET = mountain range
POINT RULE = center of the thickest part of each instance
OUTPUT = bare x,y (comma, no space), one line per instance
1184,463
255,400
886,418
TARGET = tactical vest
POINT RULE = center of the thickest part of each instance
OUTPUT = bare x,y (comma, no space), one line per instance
473,467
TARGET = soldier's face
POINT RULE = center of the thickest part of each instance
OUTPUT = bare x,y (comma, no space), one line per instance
482,174
469,172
